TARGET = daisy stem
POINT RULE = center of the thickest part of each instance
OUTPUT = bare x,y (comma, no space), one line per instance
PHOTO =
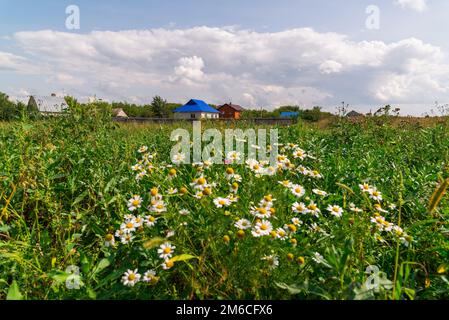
396,265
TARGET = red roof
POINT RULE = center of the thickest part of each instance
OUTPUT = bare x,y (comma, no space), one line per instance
236,107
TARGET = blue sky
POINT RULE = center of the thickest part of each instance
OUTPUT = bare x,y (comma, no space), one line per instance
323,54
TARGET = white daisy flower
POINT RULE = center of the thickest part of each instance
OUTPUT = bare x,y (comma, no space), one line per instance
297,190
379,208
184,212
243,224
137,167
158,206
166,250
130,278
168,264
263,227
313,209
222,202
297,221
233,156
335,210
281,234
149,276
126,238
128,227
299,208
375,195
286,183
273,261
143,149
315,174
134,203
303,170
172,191
318,258
150,221
365,187
261,212
178,158
299,154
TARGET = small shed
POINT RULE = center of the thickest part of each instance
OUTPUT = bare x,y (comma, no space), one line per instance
119,113
230,111
48,105
196,109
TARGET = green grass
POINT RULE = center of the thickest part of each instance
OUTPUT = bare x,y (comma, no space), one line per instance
65,183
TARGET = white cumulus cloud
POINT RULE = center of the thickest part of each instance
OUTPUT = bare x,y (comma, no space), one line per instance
255,69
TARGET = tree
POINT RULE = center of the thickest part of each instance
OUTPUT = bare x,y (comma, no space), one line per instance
8,109
159,107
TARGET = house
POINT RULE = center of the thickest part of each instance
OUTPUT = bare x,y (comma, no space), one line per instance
230,111
196,109
47,105
289,114
353,114
119,113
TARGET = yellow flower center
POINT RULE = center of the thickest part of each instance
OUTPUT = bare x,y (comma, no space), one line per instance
109,237
132,277
298,190
129,225
263,227
167,250
154,192
169,263
172,172
230,171
222,202
151,219
201,181
207,191
135,202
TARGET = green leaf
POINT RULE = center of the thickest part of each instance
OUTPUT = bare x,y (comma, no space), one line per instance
183,257
292,289
80,198
103,264
14,292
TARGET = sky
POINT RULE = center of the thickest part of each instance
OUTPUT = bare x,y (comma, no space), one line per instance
256,53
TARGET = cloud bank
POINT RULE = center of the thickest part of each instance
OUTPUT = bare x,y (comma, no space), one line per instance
256,69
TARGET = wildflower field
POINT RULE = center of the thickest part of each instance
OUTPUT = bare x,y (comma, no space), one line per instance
91,209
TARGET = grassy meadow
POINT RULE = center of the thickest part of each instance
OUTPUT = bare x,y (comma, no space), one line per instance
353,211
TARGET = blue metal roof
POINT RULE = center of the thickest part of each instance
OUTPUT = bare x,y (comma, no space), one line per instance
289,114
196,105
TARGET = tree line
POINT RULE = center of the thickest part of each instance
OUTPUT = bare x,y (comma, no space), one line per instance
158,108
